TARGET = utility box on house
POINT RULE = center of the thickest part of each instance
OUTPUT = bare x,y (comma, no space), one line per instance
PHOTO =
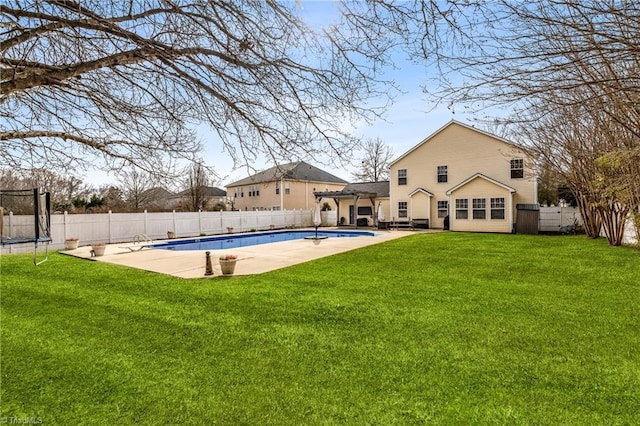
527,219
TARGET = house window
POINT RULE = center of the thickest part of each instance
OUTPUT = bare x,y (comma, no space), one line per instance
479,208
365,211
287,188
402,209
443,209
442,174
517,168
402,176
462,208
275,208
277,188
497,208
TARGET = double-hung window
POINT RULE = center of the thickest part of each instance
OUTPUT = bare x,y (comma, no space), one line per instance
462,208
402,209
497,208
442,174
479,208
287,188
517,168
277,188
443,209
402,176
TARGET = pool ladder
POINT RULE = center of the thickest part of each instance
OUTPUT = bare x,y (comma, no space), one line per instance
141,238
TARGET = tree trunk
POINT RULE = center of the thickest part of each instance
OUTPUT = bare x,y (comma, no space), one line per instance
590,217
613,217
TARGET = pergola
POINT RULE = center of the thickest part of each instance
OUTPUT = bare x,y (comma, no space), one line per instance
353,195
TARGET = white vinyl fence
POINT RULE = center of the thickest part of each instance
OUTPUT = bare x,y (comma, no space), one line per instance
553,218
122,227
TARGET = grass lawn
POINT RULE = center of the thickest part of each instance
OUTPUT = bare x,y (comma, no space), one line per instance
447,328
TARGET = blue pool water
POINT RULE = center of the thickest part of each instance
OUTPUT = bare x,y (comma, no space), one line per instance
244,240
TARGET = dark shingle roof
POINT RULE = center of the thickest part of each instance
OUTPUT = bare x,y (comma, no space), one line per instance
210,191
292,171
380,188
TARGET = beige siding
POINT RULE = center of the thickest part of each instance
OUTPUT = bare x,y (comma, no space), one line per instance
480,188
465,152
419,206
299,197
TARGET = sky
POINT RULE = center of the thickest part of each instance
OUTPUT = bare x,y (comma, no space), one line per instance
409,120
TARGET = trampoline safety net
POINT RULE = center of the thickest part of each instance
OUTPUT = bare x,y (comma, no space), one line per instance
34,222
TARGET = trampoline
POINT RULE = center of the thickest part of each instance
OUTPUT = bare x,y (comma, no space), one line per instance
26,202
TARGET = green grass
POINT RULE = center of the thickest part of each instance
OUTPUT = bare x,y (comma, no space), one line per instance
435,328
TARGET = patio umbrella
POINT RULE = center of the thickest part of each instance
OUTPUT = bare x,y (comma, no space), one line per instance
317,219
380,213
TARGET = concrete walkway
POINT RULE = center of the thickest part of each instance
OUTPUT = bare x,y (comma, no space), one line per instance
251,260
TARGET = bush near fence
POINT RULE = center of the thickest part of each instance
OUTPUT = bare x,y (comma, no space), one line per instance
122,227
553,218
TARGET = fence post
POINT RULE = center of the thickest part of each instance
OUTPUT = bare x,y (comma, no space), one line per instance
109,226
199,221
174,223
10,230
65,225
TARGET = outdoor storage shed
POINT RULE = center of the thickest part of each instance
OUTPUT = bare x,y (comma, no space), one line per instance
527,218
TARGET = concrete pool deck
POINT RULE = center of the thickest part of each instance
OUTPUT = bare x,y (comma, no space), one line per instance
251,260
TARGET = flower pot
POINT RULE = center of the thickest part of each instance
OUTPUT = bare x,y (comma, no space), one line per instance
227,266
71,244
98,250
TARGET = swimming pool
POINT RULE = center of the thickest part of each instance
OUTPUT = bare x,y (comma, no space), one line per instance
244,240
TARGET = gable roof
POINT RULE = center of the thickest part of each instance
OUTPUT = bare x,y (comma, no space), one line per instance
293,171
157,192
417,190
480,176
449,124
209,191
381,188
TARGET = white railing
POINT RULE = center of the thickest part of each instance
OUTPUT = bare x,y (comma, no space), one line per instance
122,227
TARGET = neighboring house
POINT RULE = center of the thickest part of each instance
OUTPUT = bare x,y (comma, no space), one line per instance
155,199
358,203
211,197
286,187
471,177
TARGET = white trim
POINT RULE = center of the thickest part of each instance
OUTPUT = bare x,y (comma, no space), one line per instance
424,191
480,175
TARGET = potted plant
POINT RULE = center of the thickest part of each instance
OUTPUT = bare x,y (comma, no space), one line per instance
97,249
228,263
171,235
71,243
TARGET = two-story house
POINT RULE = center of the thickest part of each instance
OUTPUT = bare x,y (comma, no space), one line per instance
284,187
462,177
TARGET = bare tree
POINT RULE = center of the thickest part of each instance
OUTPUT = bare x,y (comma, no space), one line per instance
196,193
63,189
136,186
375,163
597,158
128,81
